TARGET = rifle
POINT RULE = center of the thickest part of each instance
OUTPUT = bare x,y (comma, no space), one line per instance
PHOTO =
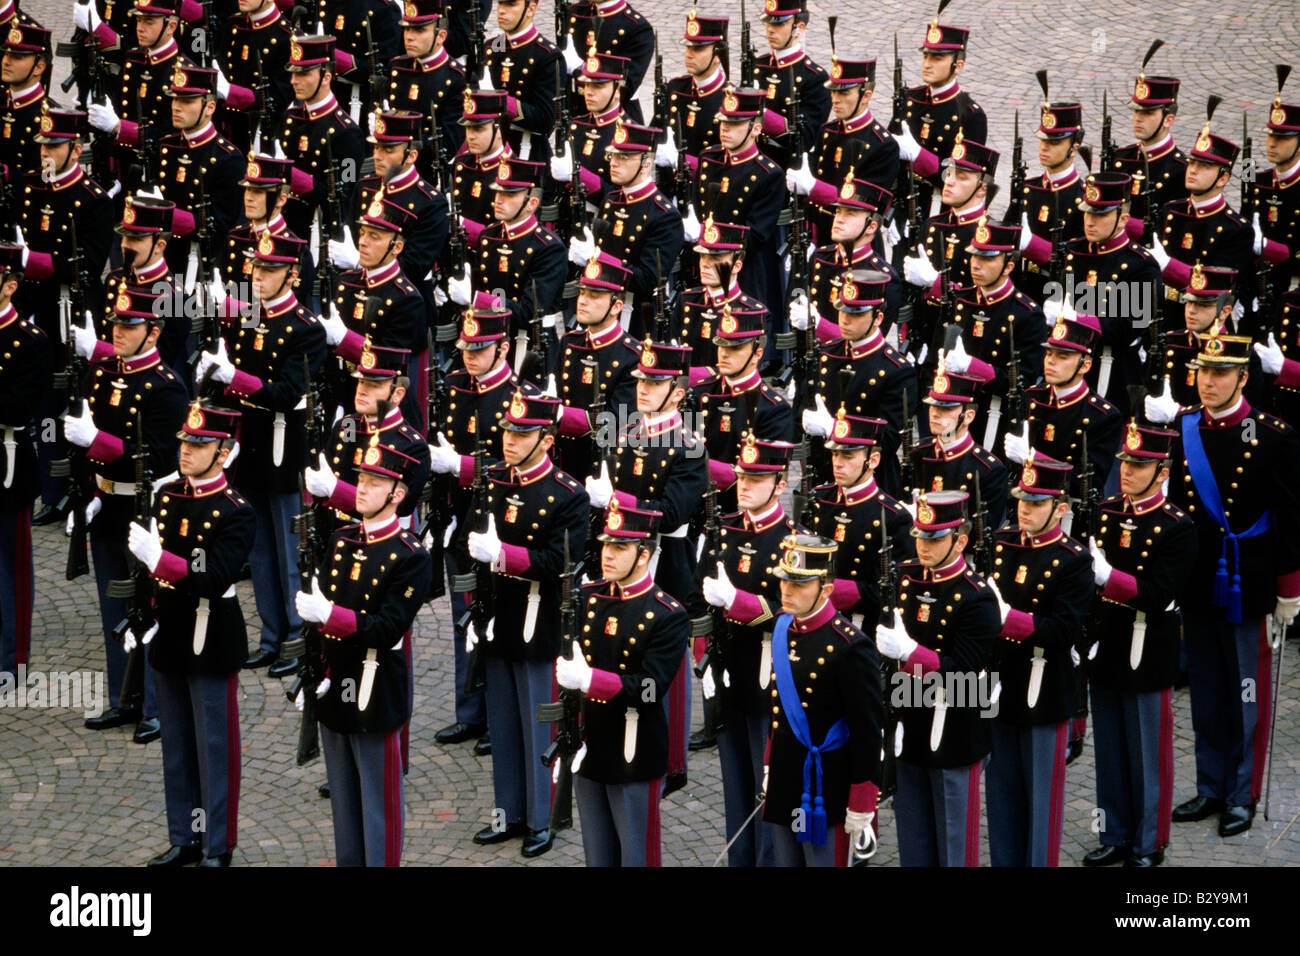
327,279
433,144
662,331
1249,207
903,183
1016,201
1089,516
887,585
562,22
1107,142
660,118
532,362
566,713
264,110
378,79
1016,397
439,515
908,464
474,50
457,245
599,455
748,55
982,553
146,146
479,613
307,647
73,467
719,628
138,589
206,321
796,246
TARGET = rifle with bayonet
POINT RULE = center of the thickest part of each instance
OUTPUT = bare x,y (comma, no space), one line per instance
474,52
1019,172
439,504
719,628
1107,141
982,552
89,66
378,78
312,548
1249,209
327,278
479,614
887,585
748,55
903,184
662,331
908,463
72,307
264,111
138,589
565,713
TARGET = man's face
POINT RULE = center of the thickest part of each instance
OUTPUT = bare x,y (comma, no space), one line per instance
373,246
855,325
1054,153
986,271
945,419
186,111
846,467
369,394
372,490
1101,226
756,491
390,156
54,158
307,83
479,362
593,307
194,458
515,15
417,41
140,247
698,59
959,185
1035,517
1217,387
936,66
507,206
1199,316
800,598
1136,479
652,395
935,552
257,204
733,359
778,34
1201,177
617,559
1060,366
268,280
852,225
518,447
598,97
624,167
734,135
479,139
709,272
17,67
1147,123
845,103
129,339
149,30
1281,150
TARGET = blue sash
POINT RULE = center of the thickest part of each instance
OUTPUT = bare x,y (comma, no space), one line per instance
1198,466
811,803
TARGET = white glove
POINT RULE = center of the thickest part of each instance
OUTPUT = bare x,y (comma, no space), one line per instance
321,481
957,360
600,490
1270,355
92,509
1162,409
562,168
84,338
222,370
818,421
1100,566
856,822
1158,252
690,226
763,791
485,546
443,459
1017,446
799,179
908,505
719,591
573,674
553,320
85,17
321,690
439,296
1286,609
1026,234
458,288
800,312
223,84
313,606
485,81
447,535
80,429
129,641
908,147
918,270
1074,656
103,117
666,152
552,391
572,61
1056,307
582,248
892,236
217,290
145,544
708,685
892,641
1259,235
343,252
1004,608
333,324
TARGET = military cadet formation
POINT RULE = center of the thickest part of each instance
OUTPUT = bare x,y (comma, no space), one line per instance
379,302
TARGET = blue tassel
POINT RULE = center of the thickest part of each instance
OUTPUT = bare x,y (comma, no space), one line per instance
819,823
806,811
1234,600
1221,582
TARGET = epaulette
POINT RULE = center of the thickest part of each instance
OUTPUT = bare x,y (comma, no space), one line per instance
405,284
975,578
894,356
1024,300
771,394
548,237
1175,512
1073,546
409,539
768,164
914,92
235,498
1271,422
830,487
163,372
662,201
567,480
668,601
1099,402
845,629
986,457
226,146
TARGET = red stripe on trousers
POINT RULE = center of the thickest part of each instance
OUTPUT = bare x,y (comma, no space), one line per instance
677,717
406,727
23,585
1263,711
392,800
1165,800
652,850
841,845
973,815
234,763
1057,797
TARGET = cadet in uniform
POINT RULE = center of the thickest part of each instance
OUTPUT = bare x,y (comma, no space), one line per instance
256,52
739,581
132,398
1276,222
1156,166
1142,564
25,51
591,134
698,310
634,640
823,758
378,579
611,27
475,168
1241,575
535,511
1208,305
1043,580
1051,200
197,645
364,29
781,72
521,63
943,636
950,459
694,97
267,184
426,80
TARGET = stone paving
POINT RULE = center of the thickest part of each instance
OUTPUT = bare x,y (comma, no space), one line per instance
69,796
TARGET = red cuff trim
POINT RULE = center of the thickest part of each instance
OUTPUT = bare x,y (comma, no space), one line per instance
343,62
190,11
341,622
1135,228
823,194
981,370
512,107
827,331
103,350
590,181
128,133
466,476
745,608
1177,273
106,36
1290,374
604,685
243,384
350,346
182,222
692,163
343,497
926,164
240,97
486,300
624,499
171,567
721,474
1288,585
845,594
514,558
923,658
1038,251
1275,251
300,182
105,448
40,265
472,229
1120,587
697,374
773,123
573,422
863,797
1018,626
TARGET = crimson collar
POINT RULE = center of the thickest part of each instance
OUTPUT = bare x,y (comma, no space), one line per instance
814,621
635,589
1231,419
950,570
1150,503
381,275
1044,539
860,493
493,378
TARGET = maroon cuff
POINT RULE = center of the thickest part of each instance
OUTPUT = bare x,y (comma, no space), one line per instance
486,300
102,351
190,11
350,346
472,228
935,292
692,163
590,181
1038,251
512,108
466,476
1288,585
1135,228
697,374
341,622
1121,587
514,559
171,567
343,497
1290,374
773,123
1275,251
1177,273
128,133
300,182
240,97
573,421
745,608
624,499
926,164
823,194
343,62
106,36
105,448
182,222
604,685
827,331
1018,625
243,384
40,265
721,474
863,797
923,658
845,594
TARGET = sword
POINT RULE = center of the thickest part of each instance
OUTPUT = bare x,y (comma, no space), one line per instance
1035,677
11,454
277,439
995,417
865,843
936,724
1139,637
765,661
530,612
201,626
314,244
739,830
368,668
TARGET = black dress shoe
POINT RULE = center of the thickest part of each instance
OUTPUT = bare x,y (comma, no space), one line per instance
51,513
324,791
283,668
222,860
1106,855
147,731
1236,820
1197,808
1073,750
458,732
702,740
674,782
483,748
177,856
113,717
260,659
537,842
1146,859
489,835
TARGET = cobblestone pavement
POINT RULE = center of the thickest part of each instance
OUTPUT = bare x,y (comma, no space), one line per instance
69,796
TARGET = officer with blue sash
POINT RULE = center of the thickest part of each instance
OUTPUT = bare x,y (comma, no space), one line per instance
823,762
